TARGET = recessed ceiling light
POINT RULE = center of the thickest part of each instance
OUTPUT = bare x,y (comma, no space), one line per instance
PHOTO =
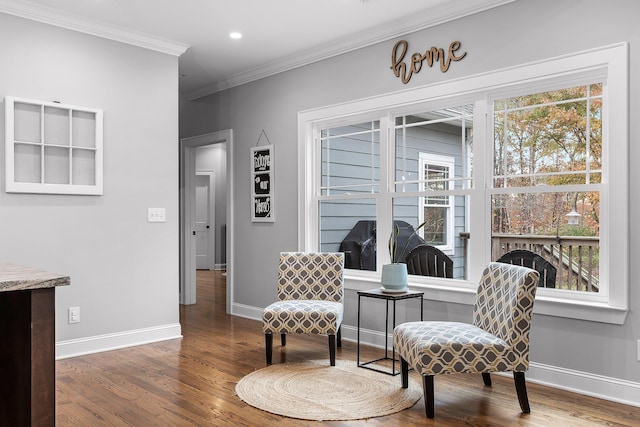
235,35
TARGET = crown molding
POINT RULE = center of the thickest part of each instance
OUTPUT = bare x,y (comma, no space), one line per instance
80,24
447,12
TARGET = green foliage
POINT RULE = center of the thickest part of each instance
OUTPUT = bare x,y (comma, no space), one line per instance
577,230
548,139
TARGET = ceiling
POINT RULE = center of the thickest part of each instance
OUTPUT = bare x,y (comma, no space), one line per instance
277,34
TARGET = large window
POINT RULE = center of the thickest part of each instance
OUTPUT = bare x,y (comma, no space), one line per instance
547,182
358,213
349,185
432,178
528,160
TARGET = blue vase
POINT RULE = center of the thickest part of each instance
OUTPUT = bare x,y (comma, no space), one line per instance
395,277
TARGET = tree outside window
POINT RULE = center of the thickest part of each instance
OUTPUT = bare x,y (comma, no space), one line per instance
548,166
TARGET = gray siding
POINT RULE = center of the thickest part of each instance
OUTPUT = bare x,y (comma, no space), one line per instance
350,160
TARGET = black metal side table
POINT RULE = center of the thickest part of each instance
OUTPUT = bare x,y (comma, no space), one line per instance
393,297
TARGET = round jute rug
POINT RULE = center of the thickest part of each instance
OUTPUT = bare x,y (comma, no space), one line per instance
314,390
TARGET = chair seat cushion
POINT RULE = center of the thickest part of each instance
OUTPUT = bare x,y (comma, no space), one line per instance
302,317
450,347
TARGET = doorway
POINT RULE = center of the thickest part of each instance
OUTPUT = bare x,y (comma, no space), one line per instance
188,236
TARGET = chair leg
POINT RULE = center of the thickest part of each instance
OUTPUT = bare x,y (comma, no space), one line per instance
332,350
521,389
404,372
283,339
339,337
268,341
486,377
427,387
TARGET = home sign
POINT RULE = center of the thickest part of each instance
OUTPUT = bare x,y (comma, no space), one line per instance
404,70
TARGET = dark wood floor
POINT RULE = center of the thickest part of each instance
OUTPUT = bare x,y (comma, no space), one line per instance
191,382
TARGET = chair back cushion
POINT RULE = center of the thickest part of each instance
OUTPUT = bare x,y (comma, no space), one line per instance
311,276
504,304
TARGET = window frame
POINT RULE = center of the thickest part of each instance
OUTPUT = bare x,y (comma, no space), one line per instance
604,239
12,185
608,63
449,163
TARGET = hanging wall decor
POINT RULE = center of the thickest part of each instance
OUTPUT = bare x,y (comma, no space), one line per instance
52,148
262,168
405,69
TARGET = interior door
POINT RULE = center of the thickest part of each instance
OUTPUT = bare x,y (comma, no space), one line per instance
203,230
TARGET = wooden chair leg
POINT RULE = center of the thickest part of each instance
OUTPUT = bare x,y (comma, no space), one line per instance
268,341
521,389
339,337
332,350
427,387
486,377
283,339
404,372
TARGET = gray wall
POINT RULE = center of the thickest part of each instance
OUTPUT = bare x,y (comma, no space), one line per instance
124,271
517,33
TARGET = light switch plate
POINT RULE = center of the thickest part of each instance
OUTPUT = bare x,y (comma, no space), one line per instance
156,215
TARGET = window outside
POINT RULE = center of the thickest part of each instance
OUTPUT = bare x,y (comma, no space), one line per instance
548,169
546,178
350,182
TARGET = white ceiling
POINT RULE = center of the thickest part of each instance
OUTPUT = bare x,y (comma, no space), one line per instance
277,34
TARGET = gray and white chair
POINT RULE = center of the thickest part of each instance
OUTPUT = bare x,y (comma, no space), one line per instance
310,299
497,341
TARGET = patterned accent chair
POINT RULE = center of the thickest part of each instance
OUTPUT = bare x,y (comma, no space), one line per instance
497,341
310,299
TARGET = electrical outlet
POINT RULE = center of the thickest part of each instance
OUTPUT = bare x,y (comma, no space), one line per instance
74,314
638,350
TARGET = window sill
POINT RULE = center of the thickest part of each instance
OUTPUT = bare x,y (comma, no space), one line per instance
442,290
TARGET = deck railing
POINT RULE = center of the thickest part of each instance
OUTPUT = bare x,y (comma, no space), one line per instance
576,258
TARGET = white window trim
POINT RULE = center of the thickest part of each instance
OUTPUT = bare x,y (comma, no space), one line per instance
449,163
610,61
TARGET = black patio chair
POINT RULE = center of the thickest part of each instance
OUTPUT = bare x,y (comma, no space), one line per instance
532,260
426,260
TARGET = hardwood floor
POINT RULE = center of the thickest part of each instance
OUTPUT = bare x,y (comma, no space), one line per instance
191,382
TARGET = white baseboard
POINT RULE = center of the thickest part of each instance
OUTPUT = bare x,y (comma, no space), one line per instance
599,386
100,343
367,336
247,311
614,389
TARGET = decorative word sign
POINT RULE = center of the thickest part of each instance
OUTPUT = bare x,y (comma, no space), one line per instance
406,70
262,184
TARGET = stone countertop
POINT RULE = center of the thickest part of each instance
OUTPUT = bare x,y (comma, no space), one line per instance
16,277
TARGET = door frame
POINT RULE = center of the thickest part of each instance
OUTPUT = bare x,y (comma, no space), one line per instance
187,285
211,217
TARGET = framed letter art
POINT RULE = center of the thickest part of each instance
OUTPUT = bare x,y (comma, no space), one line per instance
262,167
